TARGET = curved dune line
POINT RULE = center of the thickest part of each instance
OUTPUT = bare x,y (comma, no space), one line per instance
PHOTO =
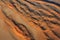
12,26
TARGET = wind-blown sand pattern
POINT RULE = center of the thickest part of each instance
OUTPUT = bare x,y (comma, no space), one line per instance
29,20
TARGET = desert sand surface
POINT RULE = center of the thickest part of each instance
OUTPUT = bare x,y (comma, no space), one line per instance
29,20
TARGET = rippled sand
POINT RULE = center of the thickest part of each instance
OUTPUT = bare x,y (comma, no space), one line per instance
29,20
